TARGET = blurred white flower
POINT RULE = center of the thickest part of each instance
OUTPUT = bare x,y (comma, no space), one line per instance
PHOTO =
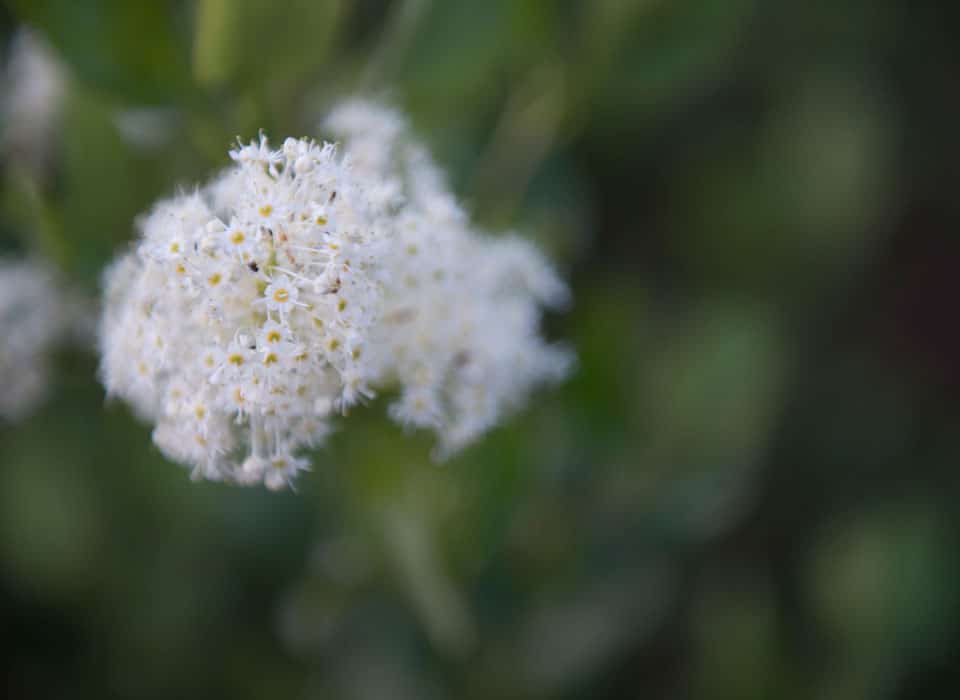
298,282
35,83
458,331
147,127
34,318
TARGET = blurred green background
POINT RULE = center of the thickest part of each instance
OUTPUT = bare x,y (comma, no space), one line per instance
747,489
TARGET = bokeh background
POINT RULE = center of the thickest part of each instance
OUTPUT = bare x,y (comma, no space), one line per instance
748,488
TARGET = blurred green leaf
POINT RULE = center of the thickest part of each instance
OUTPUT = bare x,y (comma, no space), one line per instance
130,49
654,56
711,392
252,42
739,654
787,213
97,212
36,220
472,39
883,581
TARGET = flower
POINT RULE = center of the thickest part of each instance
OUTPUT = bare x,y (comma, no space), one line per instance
458,329
299,282
35,83
34,319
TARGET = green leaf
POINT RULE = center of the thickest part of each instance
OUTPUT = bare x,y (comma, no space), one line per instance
251,42
130,49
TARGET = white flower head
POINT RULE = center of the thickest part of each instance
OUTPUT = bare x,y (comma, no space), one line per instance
303,279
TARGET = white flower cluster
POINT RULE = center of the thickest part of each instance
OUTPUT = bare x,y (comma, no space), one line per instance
458,329
300,281
33,318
